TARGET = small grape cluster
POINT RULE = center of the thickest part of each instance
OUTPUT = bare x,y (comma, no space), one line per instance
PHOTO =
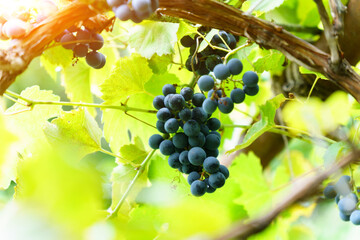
190,138
134,10
215,88
204,62
17,23
84,43
345,198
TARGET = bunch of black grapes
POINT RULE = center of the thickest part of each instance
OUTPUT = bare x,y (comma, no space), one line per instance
84,43
345,198
134,10
204,62
190,138
215,85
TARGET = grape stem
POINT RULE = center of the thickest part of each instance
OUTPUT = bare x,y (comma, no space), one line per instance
140,170
31,103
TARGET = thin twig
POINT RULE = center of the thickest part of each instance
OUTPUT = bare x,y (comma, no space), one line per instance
337,12
305,187
329,34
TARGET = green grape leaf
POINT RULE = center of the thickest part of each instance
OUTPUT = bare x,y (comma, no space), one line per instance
156,82
307,71
272,61
121,177
134,152
267,112
77,129
126,79
56,57
28,125
159,65
117,124
265,5
247,172
149,38
185,29
334,151
61,187
7,156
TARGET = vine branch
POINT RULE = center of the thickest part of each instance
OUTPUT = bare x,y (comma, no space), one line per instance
304,188
337,12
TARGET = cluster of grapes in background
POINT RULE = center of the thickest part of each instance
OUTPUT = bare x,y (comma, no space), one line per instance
216,87
16,24
134,10
204,62
84,43
346,199
190,138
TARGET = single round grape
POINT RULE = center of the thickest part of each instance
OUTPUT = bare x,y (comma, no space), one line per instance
185,114
195,63
217,180
171,125
167,147
225,105
237,95
94,59
168,89
180,140
83,36
184,158
211,61
342,186
81,50
160,126
186,169
235,66
204,129
191,128
198,188
345,178
123,12
210,105
221,71
197,141
173,160
187,41
206,83
187,93
158,102
251,91
154,5
225,171
212,153
177,102
97,42
68,41
213,95
196,156
250,79
344,217
216,133
212,142
193,176
15,28
329,192
198,99
231,41
347,205
355,217
142,8
213,124
163,114
167,100
217,39
135,18
102,63
209,188
155,140
198,114
202,69
114,3
211,165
